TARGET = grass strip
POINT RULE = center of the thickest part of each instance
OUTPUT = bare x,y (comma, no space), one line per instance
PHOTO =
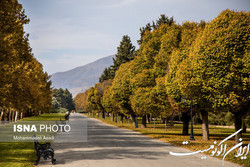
22,154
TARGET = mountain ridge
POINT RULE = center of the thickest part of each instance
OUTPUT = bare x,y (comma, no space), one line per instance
81,78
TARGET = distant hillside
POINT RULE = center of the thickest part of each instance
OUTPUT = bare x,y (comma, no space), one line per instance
81,78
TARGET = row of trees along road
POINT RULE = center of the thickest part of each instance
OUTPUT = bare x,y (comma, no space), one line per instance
25,88
206,62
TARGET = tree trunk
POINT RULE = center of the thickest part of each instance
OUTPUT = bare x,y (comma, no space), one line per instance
21,116
112,117
166,121
163,120
205,129
116,118
195,122
1,117
122,116
237,124
16,117
185,119
134,120
10,115
37,113
172,121
144,122
150,118
13,116
103,114
6,115
244,127
27,114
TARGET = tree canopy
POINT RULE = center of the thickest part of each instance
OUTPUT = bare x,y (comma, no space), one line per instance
64,98
205,63
24,86
125,53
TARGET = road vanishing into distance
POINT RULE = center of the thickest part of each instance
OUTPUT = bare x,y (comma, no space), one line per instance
109,146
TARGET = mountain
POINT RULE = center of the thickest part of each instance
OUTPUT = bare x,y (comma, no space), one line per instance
81,78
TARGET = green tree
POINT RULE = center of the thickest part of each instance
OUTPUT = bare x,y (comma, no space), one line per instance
148,28
125,53
142,32
64,98
69,102
58,94
56,105
163,19
106,75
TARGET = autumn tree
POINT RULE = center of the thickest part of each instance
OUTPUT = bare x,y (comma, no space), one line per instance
141,85
150,65
121,90
176,49
91,100
162,101
81,101
24,86
219,65
110,105
95,97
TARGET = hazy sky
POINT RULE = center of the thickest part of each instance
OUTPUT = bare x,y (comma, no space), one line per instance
65,34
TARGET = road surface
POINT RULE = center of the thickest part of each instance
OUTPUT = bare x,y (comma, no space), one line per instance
109,146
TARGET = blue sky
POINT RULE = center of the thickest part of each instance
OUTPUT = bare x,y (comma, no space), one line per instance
65,34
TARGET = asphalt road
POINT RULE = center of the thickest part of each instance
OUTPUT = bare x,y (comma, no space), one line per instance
109,146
